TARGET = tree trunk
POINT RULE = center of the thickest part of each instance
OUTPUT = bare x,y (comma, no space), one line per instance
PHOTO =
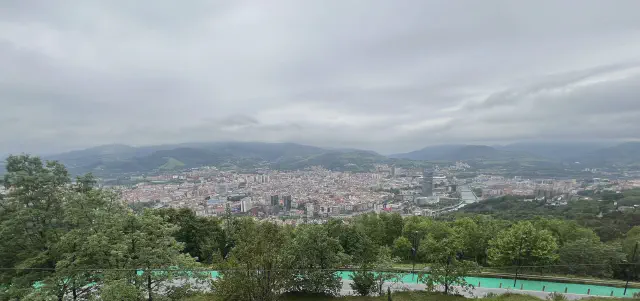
75,291
149,286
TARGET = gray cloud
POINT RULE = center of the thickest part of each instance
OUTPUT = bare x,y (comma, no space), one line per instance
384,75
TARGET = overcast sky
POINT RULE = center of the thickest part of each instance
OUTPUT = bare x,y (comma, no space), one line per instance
390,75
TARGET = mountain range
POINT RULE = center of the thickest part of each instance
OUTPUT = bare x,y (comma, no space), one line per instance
116,159
119,159
588,154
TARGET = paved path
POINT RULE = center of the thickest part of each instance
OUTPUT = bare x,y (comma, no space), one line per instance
476,292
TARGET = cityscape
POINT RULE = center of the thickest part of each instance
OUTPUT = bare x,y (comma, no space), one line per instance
316,194
292,150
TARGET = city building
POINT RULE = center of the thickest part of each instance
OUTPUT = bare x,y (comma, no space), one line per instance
427,183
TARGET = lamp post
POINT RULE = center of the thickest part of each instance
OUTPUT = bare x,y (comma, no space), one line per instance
518,260
414,250
633,262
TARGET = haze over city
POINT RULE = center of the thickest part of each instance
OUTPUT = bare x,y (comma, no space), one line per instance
389,76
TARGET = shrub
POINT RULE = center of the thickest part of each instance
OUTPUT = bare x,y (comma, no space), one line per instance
364,282
555,296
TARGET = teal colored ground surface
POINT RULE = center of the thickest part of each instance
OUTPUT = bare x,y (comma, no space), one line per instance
530,285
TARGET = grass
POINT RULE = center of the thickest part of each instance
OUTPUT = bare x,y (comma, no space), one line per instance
403,296
171,164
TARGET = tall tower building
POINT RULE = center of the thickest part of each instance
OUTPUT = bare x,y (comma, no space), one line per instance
427,183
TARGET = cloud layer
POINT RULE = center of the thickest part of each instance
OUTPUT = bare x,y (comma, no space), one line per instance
383,75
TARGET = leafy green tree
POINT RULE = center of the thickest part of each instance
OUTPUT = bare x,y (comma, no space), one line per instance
566,231
364,282
434,250
83,248
203,237
474,235
147,243
357,245
524,242
120,289
384,265
451,275
447,266
589,257
373,226
31,222
393,224
257,269
402,248
314,256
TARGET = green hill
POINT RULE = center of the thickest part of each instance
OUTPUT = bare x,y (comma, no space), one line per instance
121,159
171,164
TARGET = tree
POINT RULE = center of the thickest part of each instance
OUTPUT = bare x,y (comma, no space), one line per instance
31,222
451,274
523,244
357,245
203,237
434,250
147,243
402,248
383,265
565,231
474,235
84,247
364,282
314,256
257,268
393,224
589,257
371,225
447,266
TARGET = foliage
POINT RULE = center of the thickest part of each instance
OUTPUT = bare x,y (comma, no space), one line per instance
402,248
450,274
523,244
364,282
62,235
120,289
383,265
589,257
31,222
313,256
555,296
203,237
600,216
257,269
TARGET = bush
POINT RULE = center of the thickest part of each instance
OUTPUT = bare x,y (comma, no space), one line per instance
555,296
491,295
364,282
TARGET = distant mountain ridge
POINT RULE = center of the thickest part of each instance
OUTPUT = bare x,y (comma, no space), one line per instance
119,159
591,154
461,153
